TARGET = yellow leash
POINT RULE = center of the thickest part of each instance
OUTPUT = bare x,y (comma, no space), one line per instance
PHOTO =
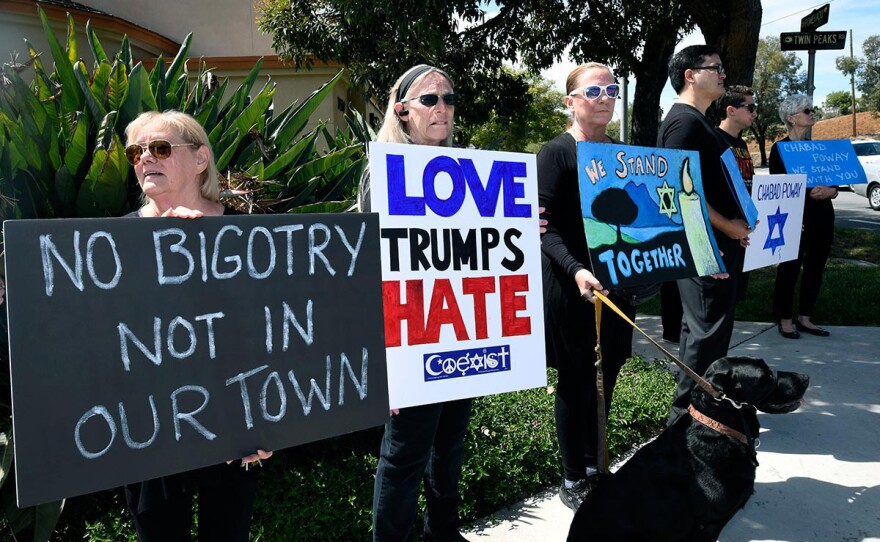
602,455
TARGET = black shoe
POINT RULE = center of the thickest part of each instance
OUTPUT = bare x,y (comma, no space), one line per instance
455,537
573,496
788,334
817,331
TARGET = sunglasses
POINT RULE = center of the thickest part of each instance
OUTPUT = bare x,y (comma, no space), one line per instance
751,107
807,111
718,68
430,100
159,148
593,92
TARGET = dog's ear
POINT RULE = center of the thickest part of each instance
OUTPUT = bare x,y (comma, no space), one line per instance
720,374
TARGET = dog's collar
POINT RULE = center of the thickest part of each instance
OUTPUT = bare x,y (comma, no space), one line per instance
716,425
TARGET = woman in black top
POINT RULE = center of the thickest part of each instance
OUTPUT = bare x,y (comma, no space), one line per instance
175,168
568,284
816,238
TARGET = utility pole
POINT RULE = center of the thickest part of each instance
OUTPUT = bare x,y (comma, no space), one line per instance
624,122
852,82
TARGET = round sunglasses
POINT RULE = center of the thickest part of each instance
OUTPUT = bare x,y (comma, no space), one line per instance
593,92
159,148
430,100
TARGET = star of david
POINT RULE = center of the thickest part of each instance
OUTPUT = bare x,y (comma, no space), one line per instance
667,200
773,221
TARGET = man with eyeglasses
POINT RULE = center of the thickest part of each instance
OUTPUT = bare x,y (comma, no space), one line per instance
697,75
737,111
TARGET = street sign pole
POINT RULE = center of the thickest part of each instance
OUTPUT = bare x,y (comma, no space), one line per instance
811,71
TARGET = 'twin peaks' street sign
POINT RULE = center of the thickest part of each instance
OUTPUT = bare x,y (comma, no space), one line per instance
815,19
805,41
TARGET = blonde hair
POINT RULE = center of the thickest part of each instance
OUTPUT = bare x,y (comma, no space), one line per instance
393,129
190,131
572,79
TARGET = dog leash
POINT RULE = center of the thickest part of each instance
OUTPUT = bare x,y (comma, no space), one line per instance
602,452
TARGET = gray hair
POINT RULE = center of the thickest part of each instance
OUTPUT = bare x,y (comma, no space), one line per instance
188,129
393,129
792,106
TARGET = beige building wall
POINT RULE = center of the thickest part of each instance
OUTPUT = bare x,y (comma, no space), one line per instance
225,35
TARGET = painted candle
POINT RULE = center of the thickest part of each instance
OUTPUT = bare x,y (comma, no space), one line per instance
695,226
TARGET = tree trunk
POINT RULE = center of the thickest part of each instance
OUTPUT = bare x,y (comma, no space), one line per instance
651,75
734,27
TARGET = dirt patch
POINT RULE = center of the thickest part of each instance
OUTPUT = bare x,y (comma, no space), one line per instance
867,125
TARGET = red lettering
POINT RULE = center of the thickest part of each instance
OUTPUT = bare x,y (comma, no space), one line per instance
444,310
413,311
478,288
511,303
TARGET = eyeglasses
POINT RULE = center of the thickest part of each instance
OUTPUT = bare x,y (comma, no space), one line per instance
751,107
594,92
430,100
807,111
159,148
719,69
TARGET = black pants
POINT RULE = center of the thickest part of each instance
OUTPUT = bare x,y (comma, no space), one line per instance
576,403
671,311
814,250
420,443
162,509
709,305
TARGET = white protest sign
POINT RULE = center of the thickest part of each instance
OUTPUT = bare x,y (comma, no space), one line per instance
461,271
780,203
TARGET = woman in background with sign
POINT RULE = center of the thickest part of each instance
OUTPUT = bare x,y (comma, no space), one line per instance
174,165
570,321
423,442
818,233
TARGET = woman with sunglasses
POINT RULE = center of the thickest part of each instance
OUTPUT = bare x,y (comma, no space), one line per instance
422,443
569,317
174,166
796,113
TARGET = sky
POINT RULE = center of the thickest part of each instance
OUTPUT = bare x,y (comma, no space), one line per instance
862,16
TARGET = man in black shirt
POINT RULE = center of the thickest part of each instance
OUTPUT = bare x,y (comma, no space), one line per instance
737,111
708,303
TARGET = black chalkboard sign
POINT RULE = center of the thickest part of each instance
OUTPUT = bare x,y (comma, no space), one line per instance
145,347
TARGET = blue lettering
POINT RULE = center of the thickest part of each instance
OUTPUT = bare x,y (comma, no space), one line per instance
443,207
508,176
398,202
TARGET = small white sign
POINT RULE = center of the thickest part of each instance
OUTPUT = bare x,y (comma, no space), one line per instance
780,203
461,271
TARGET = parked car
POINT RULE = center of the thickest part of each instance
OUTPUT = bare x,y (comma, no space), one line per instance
868,152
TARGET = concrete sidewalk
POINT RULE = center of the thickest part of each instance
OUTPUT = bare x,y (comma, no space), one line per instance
819,473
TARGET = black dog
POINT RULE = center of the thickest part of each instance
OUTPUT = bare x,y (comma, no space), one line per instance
690,481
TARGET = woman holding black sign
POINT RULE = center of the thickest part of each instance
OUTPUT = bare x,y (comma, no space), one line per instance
422,443
816,237
569,316
175,168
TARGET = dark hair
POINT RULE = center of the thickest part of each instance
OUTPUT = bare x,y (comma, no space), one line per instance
734,96
687,58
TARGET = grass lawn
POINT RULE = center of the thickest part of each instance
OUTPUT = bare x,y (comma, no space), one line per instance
850,291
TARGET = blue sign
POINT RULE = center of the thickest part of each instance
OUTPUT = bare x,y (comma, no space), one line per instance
738,187
825,163
458,363
644,214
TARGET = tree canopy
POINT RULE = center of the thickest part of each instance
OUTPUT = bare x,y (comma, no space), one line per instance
867,72
777,75
544,119
472,39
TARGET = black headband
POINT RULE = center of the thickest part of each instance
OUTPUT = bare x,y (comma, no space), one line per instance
409,77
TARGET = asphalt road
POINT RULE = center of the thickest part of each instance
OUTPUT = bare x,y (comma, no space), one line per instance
852,211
